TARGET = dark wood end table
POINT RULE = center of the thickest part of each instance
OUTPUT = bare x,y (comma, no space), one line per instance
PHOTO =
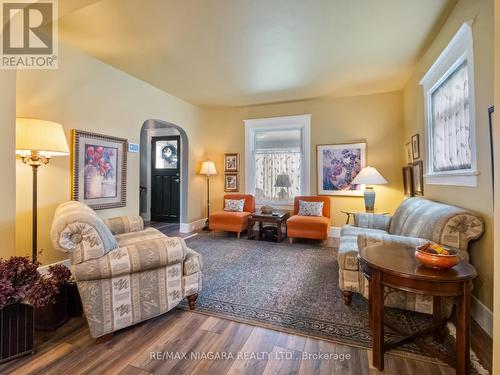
395,267
277,218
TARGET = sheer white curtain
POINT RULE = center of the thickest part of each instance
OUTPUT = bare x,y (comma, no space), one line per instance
451,143
268,165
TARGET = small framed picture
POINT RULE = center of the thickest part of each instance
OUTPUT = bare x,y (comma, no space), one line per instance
231,182
415,146
231,162
409,157
418,177
408,181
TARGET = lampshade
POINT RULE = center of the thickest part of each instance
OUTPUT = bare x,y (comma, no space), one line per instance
282,180
208,168
45,137
369,176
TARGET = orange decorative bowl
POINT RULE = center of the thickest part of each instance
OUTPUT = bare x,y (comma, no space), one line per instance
434,260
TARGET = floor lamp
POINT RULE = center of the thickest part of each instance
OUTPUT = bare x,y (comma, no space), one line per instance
36,142
208,169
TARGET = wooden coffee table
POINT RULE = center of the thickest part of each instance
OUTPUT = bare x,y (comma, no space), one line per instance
278,218
395,267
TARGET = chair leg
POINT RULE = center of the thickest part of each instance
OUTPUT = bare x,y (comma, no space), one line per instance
192,301
290,240
239,235
347,296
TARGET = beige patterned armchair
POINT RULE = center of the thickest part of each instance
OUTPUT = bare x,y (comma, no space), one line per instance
125,274
416,221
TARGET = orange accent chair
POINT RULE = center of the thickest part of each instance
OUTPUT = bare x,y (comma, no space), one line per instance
233,221
313,227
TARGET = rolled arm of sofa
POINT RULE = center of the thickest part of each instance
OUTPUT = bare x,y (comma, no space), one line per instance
372,221
77,230
137,257
125,224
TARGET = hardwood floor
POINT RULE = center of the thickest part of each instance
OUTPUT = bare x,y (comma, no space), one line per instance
185,342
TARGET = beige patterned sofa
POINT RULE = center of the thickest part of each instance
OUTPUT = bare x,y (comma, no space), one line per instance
125,274
416,221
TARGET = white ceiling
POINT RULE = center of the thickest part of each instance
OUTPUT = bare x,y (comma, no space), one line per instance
244,52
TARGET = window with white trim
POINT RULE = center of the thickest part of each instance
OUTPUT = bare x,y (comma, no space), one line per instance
450,115
277,158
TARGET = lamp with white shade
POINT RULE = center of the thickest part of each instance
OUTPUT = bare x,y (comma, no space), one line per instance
369,176
36,142
208,169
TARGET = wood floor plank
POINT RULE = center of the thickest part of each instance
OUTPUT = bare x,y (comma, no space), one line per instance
283,361
172,336
293,342
260,342
131,370
310,364
40,362
230,341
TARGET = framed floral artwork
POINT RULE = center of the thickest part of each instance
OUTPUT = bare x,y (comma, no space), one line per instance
231,162
337,165
231,182
98,170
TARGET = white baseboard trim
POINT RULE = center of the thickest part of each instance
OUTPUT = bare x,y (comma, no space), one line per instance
334,232
482,315
193,226
146,216
44,269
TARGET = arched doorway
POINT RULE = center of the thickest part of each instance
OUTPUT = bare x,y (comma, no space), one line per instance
158,129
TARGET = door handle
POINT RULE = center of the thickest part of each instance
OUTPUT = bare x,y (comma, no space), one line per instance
177,180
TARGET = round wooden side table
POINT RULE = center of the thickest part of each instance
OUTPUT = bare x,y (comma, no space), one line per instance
395,267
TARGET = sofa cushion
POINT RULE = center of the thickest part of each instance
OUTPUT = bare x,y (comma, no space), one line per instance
348,230
348,253
125,224
310,208
143,235
192,263
234,205
137,257
223,217
307,223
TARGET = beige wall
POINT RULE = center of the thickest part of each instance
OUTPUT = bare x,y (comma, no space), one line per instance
479,199
87,94
374,118
7,155
496,247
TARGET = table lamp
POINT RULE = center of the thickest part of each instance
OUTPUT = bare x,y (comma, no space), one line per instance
369,176
283,181
208,169
36,142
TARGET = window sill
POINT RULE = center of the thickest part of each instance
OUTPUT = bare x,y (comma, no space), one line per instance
461,178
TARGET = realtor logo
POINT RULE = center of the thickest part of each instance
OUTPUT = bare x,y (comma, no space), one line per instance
29,35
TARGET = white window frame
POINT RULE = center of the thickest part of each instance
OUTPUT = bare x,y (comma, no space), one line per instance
459,49
299,122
